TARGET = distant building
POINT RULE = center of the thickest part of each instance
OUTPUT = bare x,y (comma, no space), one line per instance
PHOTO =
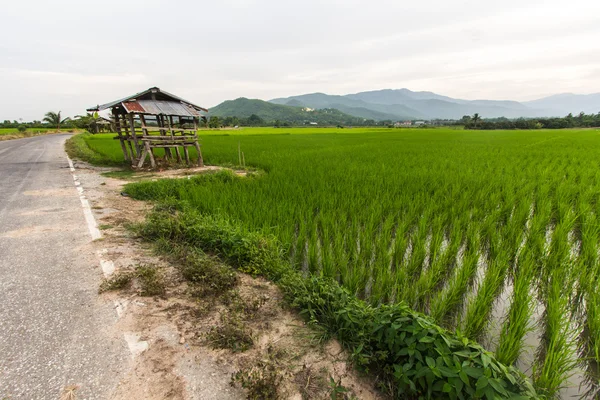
307,109
313,123
417,123
403,124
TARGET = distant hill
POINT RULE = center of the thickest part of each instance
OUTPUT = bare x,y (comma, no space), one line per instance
565,103
355,107
405,104
270,112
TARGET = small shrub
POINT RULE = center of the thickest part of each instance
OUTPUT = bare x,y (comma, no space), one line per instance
338,391
117,281
22,128
231,334
261,381
211,276
151,281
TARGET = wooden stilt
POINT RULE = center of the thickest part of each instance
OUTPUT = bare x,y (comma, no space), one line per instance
143,158
134,135
170,125
200,159
149,150
121,140
187,154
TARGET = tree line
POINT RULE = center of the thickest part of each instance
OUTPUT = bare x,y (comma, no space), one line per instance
90,122
582,120
331,119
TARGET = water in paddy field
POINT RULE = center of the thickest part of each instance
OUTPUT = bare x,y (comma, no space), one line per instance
577,385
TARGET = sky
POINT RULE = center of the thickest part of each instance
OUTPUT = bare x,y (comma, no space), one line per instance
68,55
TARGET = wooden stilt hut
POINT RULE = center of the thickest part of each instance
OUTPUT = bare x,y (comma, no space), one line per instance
155,119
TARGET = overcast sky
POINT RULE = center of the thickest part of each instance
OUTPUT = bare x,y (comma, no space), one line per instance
68,55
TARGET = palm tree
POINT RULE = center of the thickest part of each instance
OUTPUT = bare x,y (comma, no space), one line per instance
89,121
475,119
54,119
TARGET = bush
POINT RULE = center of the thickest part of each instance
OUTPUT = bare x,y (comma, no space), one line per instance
248,252
421,359
117,281
207,274
22,128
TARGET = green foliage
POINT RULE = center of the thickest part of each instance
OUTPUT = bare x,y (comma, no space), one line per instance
208,275
214,122
581,121
337,390
249,252
422,359
92,123
94,149
54,119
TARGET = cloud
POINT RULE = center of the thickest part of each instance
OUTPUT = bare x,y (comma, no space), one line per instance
62,55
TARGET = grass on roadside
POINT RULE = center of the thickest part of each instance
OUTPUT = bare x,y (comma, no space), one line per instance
100,153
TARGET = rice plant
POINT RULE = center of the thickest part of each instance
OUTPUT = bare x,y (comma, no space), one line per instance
443,220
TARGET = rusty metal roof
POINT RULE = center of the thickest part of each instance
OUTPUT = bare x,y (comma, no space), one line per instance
155,101
159,107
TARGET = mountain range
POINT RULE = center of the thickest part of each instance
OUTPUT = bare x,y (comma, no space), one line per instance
400,104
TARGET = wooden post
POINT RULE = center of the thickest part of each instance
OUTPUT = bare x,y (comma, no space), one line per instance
128,139
149,151
178,154
170,124
134,135
186,153
143,157
200,160
118,129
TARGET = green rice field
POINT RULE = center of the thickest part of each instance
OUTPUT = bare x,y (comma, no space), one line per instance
491,233
10,131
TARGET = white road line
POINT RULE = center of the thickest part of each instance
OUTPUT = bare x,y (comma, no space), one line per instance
87,210
108,267
136,346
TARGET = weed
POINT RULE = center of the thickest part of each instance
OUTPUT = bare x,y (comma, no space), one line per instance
232,333
311,384
117,281
209,276
338,392
246,307
261,381
151,280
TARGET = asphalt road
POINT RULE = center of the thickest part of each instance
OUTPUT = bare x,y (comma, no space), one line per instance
54,330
